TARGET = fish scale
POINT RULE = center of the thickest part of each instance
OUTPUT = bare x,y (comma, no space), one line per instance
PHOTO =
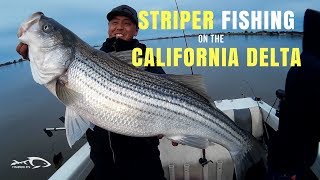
126,86
102,89
153,94
173,88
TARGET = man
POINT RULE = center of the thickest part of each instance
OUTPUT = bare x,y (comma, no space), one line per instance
295,147
117,156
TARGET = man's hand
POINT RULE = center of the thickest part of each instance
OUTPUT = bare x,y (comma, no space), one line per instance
172,142
22,49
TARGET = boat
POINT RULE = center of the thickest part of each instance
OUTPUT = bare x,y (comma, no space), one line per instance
185,162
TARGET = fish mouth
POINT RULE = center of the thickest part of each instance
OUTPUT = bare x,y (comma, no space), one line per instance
34,18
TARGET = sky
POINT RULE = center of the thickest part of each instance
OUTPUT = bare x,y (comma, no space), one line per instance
87,19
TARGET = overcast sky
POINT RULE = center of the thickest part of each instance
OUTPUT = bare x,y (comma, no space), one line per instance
88,18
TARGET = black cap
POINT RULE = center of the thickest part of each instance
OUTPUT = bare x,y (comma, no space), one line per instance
124,10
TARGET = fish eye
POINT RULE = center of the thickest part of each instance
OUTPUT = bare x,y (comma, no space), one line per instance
46,28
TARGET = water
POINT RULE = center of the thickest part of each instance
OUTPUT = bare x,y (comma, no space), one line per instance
27,108
232,82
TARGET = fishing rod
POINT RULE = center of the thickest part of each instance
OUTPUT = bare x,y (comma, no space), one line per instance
184,34
203,161
257,99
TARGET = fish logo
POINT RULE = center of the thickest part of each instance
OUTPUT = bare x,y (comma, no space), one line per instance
31,162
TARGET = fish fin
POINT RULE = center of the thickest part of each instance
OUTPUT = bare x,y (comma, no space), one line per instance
243,159
125,56
75,126
194,141
66,95
194,82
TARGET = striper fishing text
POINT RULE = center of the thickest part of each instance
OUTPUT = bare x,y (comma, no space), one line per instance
258,20
175,20
204,20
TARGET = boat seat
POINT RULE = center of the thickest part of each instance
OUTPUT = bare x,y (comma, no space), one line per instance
246,114
182,162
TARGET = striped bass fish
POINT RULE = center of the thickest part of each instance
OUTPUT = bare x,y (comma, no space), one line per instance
103,89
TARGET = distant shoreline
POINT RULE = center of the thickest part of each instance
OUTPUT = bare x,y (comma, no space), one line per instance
12,62
246,33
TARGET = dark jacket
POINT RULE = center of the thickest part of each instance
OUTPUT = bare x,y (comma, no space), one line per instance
122,157
296,145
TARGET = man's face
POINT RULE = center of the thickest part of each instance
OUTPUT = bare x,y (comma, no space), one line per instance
122,27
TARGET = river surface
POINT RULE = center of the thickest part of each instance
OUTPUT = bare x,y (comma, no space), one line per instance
26,108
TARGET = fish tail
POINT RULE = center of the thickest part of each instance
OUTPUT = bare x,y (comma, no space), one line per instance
247,157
